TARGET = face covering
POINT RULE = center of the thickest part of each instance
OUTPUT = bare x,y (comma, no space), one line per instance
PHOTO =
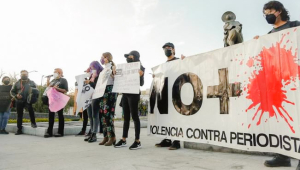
6,82
55,75
168,53
24,77
271,18
102,61
129,60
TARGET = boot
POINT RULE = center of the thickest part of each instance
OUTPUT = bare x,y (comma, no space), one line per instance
89,134
88,137
112,141
93,138
105,139
279,160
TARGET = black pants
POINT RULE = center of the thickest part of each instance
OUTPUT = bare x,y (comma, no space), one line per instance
20,111
130,103
85,120
61,122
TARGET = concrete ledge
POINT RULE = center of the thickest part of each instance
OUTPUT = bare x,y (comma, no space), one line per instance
71,128
42,128
208,147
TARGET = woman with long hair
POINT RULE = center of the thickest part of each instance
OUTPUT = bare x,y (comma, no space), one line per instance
108,104
94,69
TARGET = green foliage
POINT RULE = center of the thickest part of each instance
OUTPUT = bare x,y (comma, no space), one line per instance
143,107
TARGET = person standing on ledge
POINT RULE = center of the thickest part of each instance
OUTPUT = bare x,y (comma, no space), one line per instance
21,91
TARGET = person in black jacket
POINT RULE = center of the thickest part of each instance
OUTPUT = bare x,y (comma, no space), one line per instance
276,15
169,50
130,105
21,93
61,85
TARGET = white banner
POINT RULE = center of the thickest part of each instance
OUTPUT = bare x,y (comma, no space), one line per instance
127,78
85,92
245,96
102,81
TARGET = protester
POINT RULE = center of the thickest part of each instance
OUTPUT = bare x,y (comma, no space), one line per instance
276,14
93,110
169,50
61,85
130,105
83,114
4,116
108,104
21,93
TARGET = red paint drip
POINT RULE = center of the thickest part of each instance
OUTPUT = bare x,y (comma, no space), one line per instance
265,87
250,62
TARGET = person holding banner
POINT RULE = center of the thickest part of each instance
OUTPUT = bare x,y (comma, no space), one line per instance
61,85
130,105
21,93
108,104
169,50
276,14
4,116
83,114
95,70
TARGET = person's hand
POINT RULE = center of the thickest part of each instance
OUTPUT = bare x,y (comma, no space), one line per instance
19,96
87,81
256,37
141,72
182,57
56,87
153,75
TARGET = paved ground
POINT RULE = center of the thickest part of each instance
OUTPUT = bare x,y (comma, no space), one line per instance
70,152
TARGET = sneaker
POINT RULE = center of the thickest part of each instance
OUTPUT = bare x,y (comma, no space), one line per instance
33,125
120,144
175,145
4,132
81,133
47,135
279,160
135,146
19,132
164,143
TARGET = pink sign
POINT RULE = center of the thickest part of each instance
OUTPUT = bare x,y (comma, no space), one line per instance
57,100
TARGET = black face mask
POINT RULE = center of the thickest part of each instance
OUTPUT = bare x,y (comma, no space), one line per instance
271,18
24,77
129,60
168,53
6,82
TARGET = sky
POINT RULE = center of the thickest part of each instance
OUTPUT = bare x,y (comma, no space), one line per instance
41,35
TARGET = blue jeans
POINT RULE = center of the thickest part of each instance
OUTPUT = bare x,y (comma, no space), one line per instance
4,119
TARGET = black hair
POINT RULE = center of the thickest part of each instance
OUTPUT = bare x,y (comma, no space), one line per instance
278,6
5,77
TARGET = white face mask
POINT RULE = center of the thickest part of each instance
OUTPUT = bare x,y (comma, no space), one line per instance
55,75
94,71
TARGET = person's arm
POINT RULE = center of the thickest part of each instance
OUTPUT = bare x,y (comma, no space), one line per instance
14,91
64,88
33,84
